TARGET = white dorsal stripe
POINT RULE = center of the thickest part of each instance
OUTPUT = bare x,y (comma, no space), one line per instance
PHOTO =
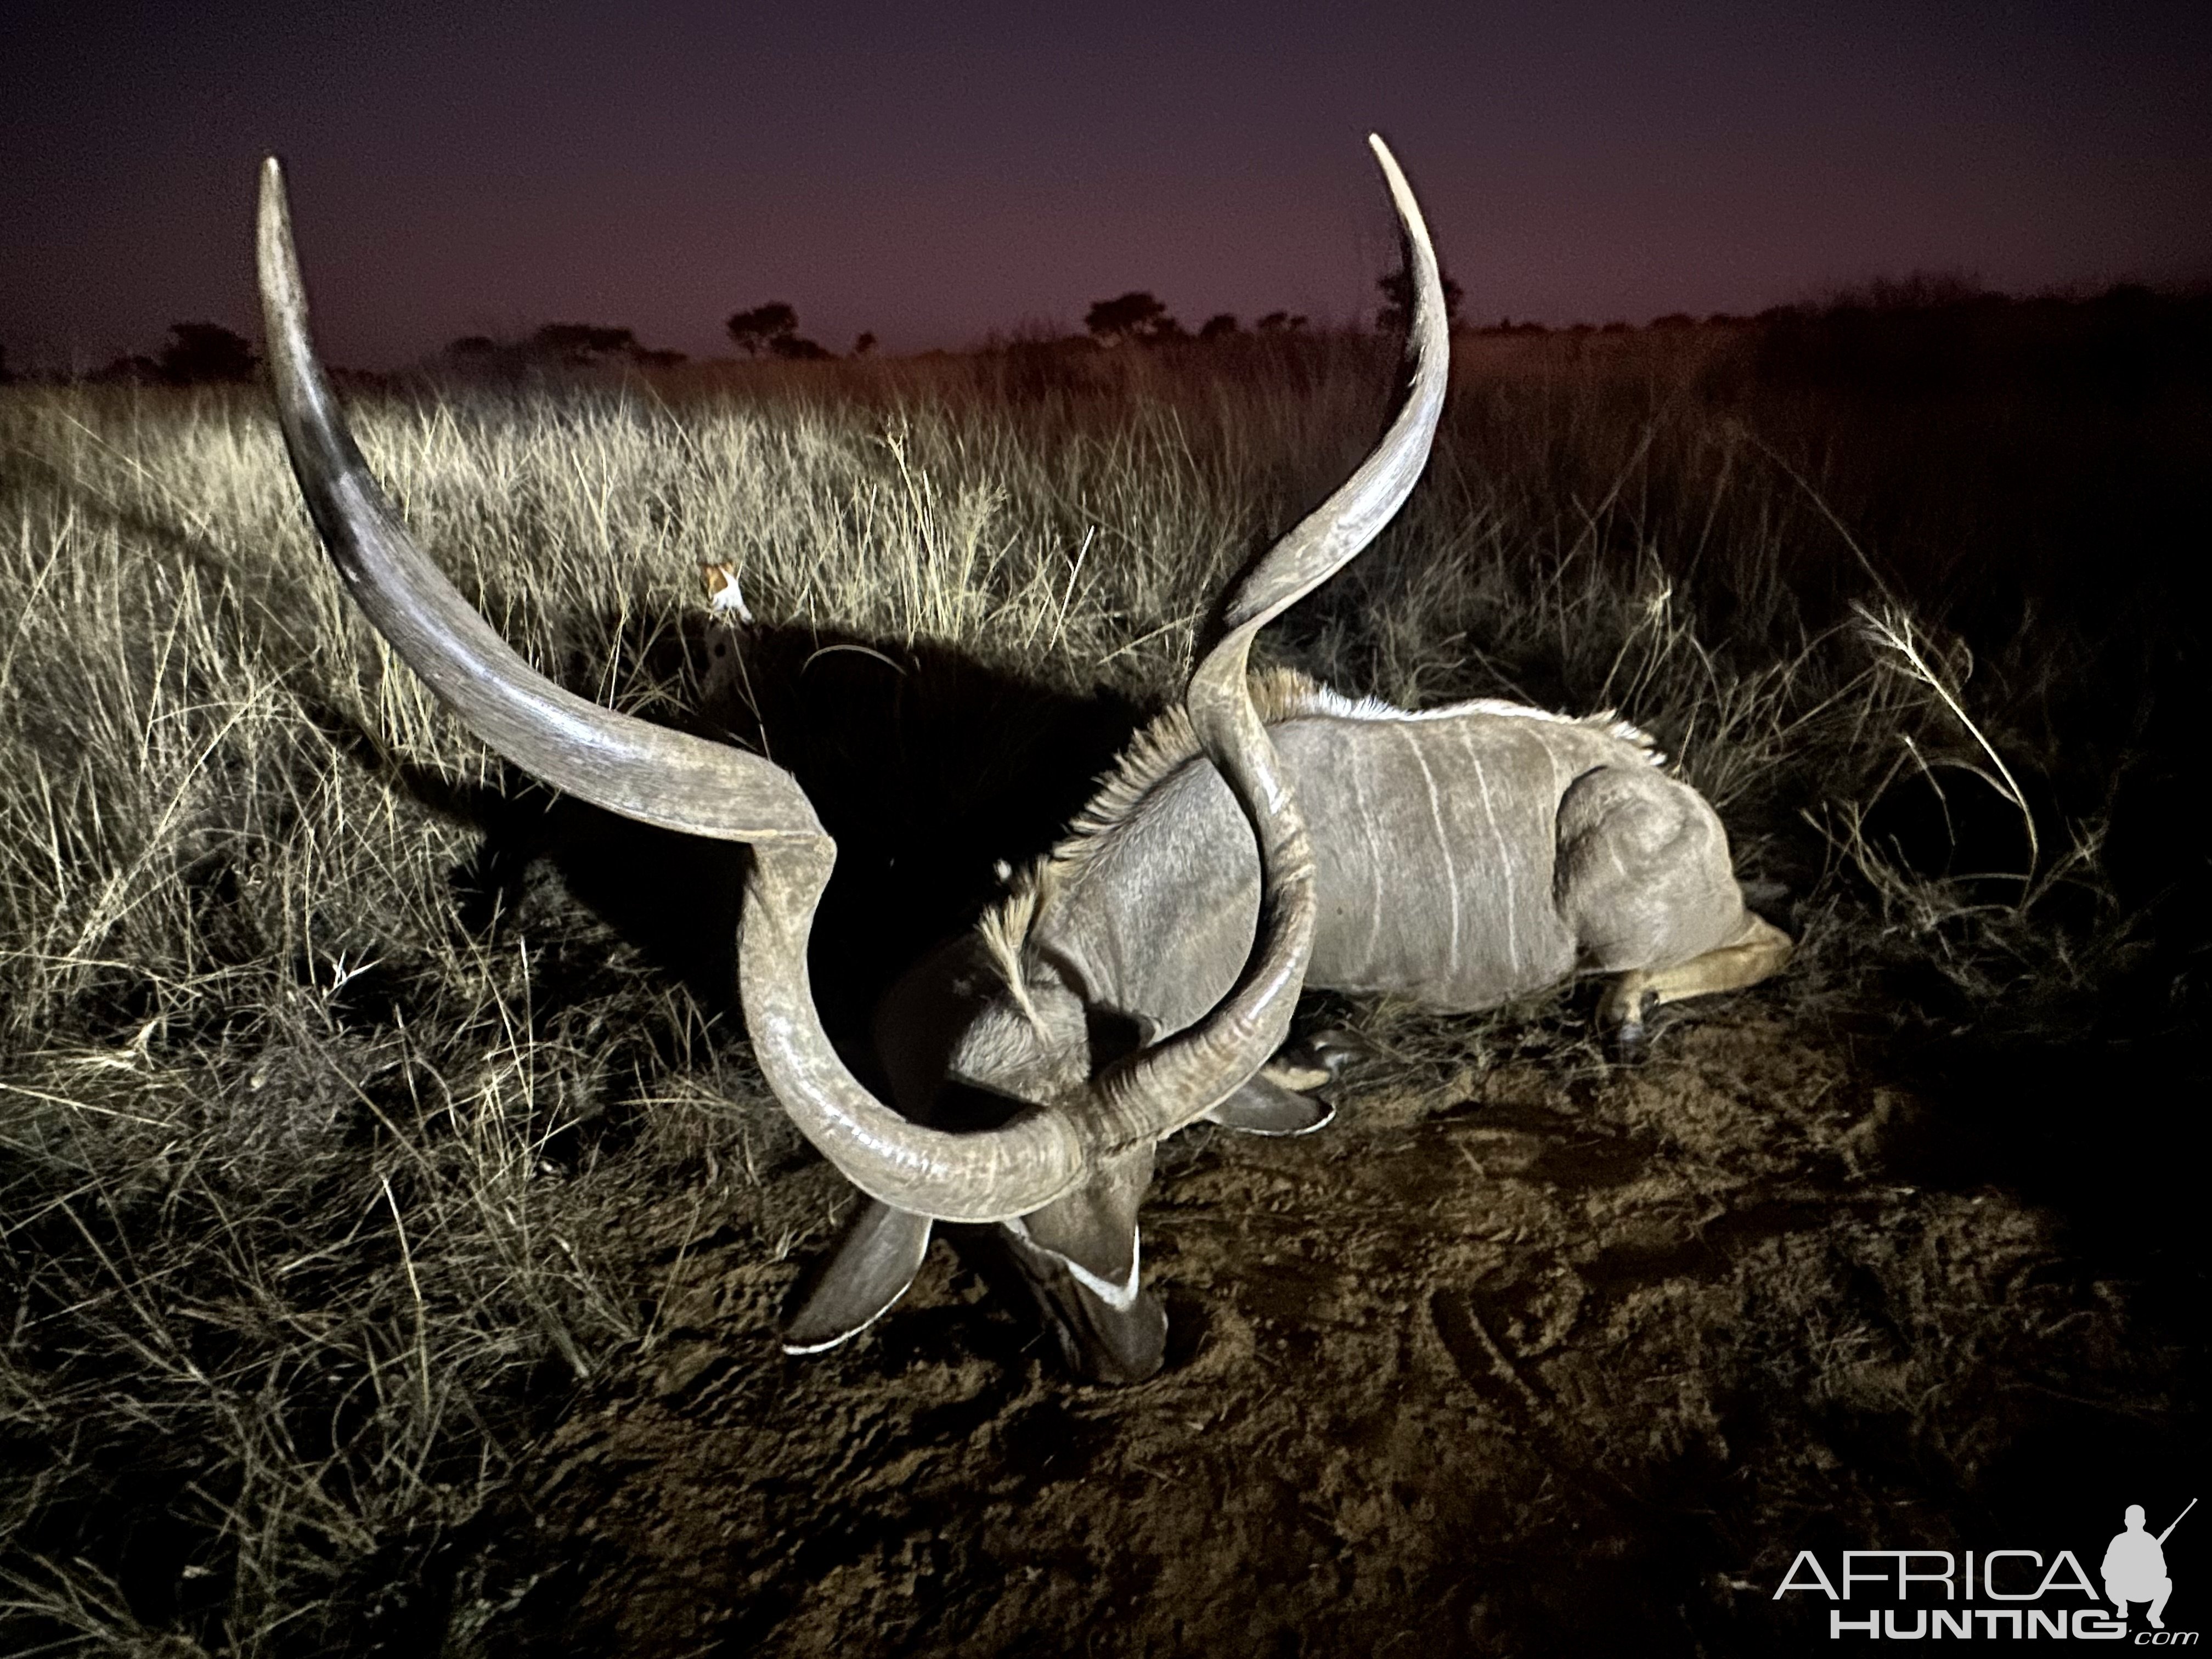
1321,700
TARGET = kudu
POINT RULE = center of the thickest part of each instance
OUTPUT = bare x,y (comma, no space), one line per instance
1139,977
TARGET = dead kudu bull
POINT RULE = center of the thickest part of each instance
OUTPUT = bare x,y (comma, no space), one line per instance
1143,975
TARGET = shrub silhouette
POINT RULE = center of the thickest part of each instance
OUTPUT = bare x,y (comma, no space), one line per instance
554,346
1133,316
200,354
774,328
1396,315
582,345
132,368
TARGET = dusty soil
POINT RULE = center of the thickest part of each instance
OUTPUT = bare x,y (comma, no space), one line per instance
1529,1355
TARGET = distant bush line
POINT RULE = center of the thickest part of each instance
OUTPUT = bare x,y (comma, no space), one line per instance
1909,336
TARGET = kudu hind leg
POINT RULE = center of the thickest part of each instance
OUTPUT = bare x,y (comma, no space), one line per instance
1645,877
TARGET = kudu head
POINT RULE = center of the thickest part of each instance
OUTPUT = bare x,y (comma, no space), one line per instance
1063,1170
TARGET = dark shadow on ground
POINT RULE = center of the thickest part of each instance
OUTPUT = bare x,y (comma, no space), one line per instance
927,767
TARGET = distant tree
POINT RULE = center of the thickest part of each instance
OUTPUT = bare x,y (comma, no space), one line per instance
1132,316
472,347
1398,302
1674,319
4,375
199,353
645,358
758,329
1279,322
1219,326
864,345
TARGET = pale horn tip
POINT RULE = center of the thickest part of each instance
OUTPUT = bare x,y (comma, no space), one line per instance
1402,193
272,185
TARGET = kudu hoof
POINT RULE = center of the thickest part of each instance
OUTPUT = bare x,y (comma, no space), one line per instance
1629,1043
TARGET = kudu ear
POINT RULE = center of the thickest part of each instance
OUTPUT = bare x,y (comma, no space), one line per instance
858,1281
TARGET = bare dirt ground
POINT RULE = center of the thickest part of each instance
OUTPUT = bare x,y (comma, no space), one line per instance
1529,1355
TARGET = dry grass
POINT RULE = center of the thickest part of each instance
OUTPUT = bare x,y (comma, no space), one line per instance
315,1173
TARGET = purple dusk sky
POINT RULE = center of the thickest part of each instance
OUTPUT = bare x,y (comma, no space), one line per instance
932,172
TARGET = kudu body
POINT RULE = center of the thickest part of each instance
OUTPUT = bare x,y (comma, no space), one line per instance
1464,856
1142,977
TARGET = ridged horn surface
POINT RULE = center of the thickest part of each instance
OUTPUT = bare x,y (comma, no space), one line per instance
649,773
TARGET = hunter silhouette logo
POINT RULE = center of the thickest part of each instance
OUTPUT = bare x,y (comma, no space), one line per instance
2134,1566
